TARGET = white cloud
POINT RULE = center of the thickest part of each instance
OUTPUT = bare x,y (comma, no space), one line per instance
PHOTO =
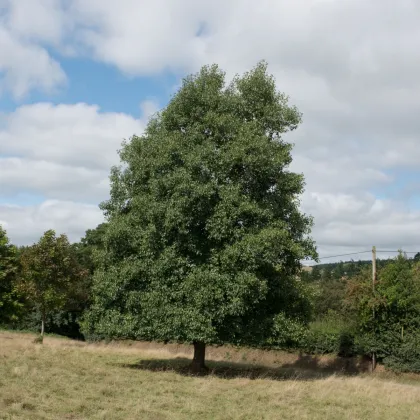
25,66
148,108
76,135
27,28
25,224
353,223
41,20
141,38
351,66
63,154
53,180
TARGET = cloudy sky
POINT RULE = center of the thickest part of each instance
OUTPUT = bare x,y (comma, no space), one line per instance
79,76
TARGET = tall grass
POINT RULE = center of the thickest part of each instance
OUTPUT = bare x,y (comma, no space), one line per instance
65,379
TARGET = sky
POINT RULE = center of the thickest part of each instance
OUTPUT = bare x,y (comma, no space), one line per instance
79,76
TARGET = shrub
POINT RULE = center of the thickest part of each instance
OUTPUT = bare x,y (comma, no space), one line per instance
287,333
65,323
405,357
329,335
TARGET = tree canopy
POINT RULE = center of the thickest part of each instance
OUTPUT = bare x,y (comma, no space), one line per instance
85,249
205,234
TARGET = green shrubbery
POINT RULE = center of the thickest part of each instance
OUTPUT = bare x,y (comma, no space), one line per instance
406,356
387,317
384,320
65,323
397,351
326,336
287,333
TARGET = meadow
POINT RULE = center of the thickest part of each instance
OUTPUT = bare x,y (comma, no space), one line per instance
66,379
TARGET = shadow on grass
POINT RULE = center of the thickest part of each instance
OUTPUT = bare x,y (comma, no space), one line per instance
306,367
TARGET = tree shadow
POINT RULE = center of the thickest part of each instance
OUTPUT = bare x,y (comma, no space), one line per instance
306,367
334,365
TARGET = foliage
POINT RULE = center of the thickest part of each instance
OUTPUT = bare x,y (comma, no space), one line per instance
205,235
395,300
86,249
388,316
329,282
406,356
329,297
287,333
63,322
329,334
10,305
50,275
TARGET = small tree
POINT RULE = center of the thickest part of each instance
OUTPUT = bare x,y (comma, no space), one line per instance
205,235
49,272
9,301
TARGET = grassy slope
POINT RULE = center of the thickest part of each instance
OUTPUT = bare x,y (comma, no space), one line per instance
64,379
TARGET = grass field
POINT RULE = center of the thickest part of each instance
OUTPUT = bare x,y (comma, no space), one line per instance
64,379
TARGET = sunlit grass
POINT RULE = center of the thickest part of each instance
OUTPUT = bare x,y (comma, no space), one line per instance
64,379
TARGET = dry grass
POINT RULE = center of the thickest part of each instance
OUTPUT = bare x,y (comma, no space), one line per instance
64,379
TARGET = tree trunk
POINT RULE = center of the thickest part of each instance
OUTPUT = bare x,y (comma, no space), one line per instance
373,365
198,363
41,337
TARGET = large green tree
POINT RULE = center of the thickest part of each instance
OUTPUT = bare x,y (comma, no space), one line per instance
50,275
205,235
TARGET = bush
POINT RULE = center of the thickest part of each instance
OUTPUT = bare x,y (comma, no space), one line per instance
383,343
398,352
65,323
405,357
287,333
329,335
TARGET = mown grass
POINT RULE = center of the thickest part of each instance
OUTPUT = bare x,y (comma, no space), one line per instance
64,379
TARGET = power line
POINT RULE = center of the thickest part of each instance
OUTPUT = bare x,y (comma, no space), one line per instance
363,252
341,255
407,252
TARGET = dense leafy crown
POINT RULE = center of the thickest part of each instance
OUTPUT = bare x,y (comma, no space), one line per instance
205,234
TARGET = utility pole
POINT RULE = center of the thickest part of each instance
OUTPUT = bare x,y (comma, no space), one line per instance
373,289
